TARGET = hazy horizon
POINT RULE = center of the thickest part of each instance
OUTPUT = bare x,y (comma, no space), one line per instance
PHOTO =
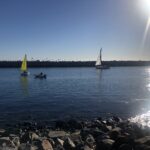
74,30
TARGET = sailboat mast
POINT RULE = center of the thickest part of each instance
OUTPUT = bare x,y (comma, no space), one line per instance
101,54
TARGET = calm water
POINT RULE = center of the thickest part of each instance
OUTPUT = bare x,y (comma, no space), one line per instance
73,92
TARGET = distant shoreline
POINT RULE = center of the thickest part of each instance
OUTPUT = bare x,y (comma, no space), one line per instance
38,64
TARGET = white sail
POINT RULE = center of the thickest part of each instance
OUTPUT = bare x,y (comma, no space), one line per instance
99,59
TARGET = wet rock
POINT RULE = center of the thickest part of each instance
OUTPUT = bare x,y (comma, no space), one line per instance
57,134
46,145
69,144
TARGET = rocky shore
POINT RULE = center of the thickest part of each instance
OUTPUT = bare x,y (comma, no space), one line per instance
98,134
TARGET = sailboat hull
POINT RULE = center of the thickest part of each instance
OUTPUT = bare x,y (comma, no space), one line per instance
102,67
24,74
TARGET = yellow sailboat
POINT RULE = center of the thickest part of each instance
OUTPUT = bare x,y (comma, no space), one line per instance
24,71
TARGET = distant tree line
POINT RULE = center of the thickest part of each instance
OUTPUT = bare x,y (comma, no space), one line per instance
17,64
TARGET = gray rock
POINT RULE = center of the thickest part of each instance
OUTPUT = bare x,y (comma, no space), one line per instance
2,131
86,147
90,141
57,134
16,141
33,136
76,138
5,141
25,146
8,148
144,140
59,142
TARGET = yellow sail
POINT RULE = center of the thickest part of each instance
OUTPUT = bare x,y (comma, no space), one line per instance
24,64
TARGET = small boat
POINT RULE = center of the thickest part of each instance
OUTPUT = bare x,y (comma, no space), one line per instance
40,76
24,70
99,64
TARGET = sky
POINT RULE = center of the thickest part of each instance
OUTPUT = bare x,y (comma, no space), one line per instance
74,29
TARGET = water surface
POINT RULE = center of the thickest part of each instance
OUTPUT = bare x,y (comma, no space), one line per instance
73,92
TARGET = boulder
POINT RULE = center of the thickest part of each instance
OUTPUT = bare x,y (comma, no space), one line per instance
46,145
144,140
125,147
69,144
114,133
105,144
57,134
123,140
25,146
90,141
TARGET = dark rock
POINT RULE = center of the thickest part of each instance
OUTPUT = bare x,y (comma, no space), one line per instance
142,147
105,144
114,133
5,141
144,140
59,142
116,119
74,124
69,144
123,140
90,141
59,147
125,147
61,125
86,147
95,132
76,138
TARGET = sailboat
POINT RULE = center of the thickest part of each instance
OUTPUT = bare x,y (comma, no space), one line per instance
99,64
24,71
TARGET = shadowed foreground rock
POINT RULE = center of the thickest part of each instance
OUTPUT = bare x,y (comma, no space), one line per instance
98,134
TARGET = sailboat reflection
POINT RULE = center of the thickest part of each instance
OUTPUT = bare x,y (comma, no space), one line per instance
99,73
24,85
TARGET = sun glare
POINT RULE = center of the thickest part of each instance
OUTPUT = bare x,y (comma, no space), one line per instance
146,6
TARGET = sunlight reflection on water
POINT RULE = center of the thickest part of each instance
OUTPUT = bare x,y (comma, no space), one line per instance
143,119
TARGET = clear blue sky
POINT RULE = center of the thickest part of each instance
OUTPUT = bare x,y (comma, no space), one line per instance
73,29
